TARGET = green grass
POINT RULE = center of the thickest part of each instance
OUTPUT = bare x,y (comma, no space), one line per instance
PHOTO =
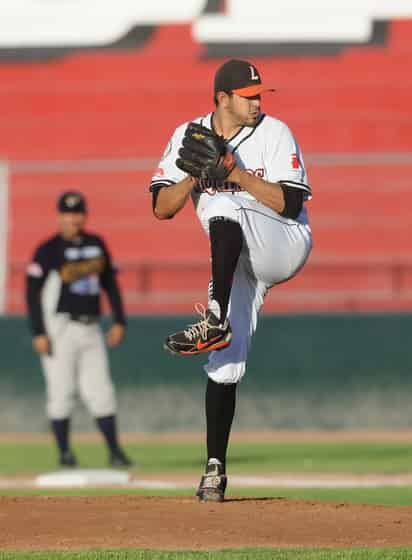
247,554
387,496
244,458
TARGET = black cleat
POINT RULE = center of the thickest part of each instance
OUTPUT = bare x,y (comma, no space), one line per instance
119,458
68,459
205,336
213,483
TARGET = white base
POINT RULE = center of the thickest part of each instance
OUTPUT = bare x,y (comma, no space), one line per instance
82,478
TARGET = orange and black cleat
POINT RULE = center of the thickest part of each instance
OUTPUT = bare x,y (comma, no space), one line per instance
213,483
205,336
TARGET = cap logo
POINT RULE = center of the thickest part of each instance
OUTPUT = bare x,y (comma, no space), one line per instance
253,74
72,200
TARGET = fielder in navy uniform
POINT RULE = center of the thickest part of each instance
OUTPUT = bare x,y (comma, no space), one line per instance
64,282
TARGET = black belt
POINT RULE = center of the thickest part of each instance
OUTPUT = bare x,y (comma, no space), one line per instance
83,318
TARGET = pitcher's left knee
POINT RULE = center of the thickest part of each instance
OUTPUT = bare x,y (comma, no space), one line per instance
221,205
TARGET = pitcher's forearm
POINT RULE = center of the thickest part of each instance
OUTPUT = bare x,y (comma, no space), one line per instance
269,194
171,200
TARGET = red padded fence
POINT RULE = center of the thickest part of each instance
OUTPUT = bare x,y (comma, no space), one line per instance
99,121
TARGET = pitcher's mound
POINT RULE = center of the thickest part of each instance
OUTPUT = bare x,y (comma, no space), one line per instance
183,523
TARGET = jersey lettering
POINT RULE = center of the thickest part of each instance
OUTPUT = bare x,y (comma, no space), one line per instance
260,172
87,252
88,286
91,252
212,186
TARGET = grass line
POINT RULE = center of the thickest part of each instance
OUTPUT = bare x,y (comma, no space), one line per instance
17,458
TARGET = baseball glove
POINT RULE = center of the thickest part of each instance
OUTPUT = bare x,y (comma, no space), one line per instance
204,154
72,271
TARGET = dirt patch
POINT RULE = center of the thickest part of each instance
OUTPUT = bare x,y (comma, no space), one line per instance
183,523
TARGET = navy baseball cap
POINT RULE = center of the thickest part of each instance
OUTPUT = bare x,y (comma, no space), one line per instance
240,77
72,201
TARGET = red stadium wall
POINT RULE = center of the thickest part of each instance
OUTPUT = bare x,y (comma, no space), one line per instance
98,122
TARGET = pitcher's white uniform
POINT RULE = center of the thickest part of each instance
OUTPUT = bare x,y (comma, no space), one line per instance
274,248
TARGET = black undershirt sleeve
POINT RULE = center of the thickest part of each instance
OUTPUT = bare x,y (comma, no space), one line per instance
33,293
155,193
293,201
110,285
37,273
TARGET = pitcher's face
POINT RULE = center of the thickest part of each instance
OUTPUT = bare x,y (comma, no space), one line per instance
244,111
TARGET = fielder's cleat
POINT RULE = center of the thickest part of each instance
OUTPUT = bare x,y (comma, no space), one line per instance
119,458
68,459
213,483
205,336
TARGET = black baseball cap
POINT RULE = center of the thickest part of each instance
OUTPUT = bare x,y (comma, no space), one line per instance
240,77
72,201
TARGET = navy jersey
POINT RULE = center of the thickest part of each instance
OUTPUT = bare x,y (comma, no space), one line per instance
85,268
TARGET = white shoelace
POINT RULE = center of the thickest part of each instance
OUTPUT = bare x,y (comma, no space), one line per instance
200,328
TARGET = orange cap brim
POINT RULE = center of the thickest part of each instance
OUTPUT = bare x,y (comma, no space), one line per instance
251,91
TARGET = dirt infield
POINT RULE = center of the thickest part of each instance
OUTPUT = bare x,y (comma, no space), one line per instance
183,523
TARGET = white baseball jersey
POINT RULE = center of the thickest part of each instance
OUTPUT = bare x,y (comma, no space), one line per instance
267,150
274,248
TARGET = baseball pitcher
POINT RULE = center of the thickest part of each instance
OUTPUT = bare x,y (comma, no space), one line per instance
244,172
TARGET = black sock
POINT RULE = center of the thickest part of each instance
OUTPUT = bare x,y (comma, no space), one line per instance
220,410
226,240
61,433
107,425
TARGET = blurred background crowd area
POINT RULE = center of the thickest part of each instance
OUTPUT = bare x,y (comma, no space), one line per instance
91,91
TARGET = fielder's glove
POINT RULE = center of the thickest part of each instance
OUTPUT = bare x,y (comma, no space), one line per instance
72,271
204,154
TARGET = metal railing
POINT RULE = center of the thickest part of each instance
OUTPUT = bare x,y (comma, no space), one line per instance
341,284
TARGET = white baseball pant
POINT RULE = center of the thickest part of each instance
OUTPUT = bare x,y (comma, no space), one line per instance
274,250
78,362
